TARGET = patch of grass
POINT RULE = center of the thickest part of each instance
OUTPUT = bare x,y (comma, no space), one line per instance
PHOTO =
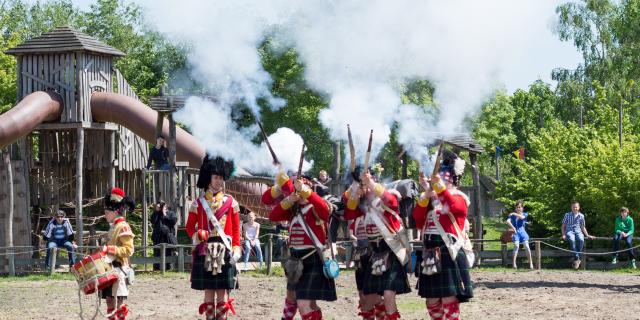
410,305
494,228
39,277
276,271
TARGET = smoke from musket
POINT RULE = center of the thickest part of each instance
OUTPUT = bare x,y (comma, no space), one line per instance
359,52
213,124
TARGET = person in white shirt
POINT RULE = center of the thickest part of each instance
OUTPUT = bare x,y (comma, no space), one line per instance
251,238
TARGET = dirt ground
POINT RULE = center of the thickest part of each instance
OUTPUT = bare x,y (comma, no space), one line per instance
499,295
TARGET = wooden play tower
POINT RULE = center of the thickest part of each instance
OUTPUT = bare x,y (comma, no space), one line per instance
73,161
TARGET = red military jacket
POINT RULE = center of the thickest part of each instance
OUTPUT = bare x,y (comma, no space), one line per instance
454,201
356,209
316,217
226,210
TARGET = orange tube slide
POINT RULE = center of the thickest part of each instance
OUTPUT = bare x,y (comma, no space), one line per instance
141,120
34,109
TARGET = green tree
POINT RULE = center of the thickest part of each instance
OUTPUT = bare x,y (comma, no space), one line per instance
303,104
150,58
19,22
567,163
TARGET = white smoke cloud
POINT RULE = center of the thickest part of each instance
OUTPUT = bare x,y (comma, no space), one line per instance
358,52
213,124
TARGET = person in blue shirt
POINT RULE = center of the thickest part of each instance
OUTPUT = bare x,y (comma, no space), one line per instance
574,231
59,233
517,221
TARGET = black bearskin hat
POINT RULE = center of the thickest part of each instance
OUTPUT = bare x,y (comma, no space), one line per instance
451,167
116,200
214,166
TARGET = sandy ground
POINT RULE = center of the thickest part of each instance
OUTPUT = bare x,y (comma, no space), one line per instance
499,295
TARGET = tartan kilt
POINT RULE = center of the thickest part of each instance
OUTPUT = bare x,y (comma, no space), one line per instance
313,285
201,279
360,273
447,282
394,279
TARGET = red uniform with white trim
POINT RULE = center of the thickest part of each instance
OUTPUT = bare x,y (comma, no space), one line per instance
355,209
226,210
316,219
454,201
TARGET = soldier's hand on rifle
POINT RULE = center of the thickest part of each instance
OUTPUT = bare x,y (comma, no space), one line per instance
294,197
302,189
367,180
435,178
424,182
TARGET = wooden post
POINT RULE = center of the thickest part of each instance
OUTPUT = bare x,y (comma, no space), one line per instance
269,254
172,163
405,158
181,259
584,255
156,176
182,218
538,256
11,257
477,203
79,166
503,248
12,261
336,167
112,159
52,261
163,257
145,215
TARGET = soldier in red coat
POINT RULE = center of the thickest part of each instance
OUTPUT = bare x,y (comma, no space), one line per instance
294,201
214,224
446,283
383,275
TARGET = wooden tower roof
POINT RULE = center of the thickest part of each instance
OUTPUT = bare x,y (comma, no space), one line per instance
64,39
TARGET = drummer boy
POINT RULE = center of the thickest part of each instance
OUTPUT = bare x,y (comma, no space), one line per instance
119,248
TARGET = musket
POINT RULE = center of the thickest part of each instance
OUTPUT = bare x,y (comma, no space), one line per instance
266,139
352,151
368,154
436,167
301,162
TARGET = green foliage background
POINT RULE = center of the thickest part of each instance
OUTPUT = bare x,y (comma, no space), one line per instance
564,160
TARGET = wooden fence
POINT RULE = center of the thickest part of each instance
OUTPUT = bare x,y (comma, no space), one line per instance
182,261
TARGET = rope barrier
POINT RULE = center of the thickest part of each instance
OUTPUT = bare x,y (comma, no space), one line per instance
589,253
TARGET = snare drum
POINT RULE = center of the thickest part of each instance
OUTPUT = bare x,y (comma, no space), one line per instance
94,270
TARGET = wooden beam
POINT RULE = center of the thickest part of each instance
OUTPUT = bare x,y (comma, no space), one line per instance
75,125
112,159
172,162
477,203
11,256
79,166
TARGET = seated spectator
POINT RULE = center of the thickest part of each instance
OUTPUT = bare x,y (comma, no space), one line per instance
159,155
163,222
574,230
251,235
59,233
282,233
624,231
